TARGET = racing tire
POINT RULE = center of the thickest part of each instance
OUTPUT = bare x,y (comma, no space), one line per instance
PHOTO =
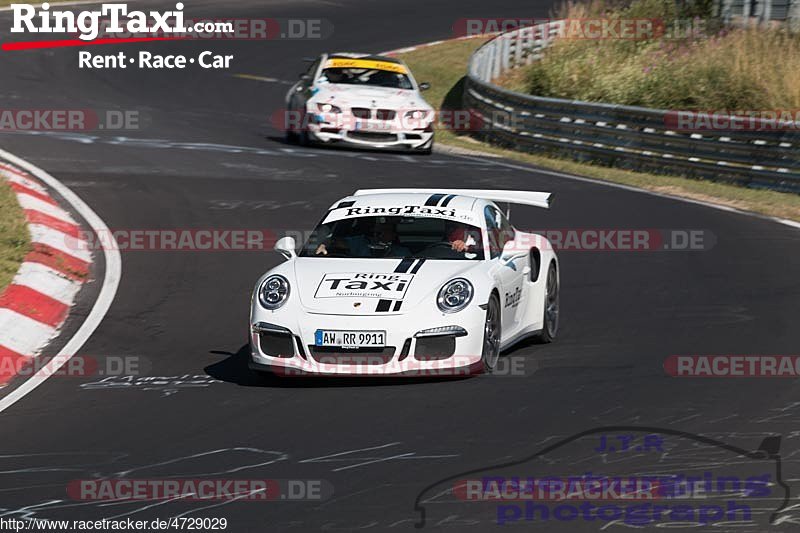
492,328
303,139
551,298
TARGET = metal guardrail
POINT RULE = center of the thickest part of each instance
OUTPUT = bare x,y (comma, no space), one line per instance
631,137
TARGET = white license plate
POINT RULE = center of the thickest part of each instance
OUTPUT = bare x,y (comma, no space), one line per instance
349,338
361,125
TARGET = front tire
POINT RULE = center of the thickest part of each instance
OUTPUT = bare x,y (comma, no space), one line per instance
492,328
551,306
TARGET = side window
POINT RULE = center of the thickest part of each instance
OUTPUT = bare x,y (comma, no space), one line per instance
507,232
499,230
493,231
312,70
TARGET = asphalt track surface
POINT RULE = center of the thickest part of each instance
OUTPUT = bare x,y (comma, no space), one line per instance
377,442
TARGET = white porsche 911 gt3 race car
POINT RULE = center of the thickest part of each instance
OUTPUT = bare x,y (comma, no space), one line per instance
406,281
360,100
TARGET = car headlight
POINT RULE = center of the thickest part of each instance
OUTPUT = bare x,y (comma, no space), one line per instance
328,108
454,295
417,114
274,292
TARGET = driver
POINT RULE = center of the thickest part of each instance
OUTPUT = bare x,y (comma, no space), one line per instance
460,239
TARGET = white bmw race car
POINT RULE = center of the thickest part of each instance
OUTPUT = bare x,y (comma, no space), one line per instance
360,100
406,281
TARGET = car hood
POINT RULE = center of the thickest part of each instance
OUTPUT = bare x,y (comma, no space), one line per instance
341,286
362,96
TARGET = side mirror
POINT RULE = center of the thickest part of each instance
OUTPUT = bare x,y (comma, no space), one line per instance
286,247
424,86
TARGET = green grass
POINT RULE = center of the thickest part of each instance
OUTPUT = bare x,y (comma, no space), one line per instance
14,237
444,65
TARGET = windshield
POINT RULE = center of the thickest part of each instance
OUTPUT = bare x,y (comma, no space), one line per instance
363,76
395,237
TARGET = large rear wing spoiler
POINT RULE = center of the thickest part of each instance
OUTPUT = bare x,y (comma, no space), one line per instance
534,198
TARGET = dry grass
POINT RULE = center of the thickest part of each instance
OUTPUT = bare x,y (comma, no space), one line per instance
715,69
444,65
14,237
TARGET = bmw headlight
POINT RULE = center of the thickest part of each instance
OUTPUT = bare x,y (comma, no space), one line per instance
454,295
274,292
328,108
417,114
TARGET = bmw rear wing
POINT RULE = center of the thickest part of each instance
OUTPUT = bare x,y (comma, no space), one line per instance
534,198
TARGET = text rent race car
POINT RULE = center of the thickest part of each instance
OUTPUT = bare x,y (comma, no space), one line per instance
406,281
366,101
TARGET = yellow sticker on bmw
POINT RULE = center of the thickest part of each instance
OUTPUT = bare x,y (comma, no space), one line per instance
391,286
350,339
365,63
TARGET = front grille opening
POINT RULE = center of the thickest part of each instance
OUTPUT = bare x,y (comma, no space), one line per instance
385,114
276,344
361,112
372,136
332,355
434,348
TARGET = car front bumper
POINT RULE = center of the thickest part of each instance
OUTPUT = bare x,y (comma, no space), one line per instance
416,139
406,353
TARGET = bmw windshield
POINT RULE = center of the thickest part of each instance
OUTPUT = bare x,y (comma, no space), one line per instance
395,237
366,77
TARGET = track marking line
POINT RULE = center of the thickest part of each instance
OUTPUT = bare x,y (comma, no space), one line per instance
266,79
323,457
108,290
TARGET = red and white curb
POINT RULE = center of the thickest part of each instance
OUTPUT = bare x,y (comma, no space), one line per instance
36,303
